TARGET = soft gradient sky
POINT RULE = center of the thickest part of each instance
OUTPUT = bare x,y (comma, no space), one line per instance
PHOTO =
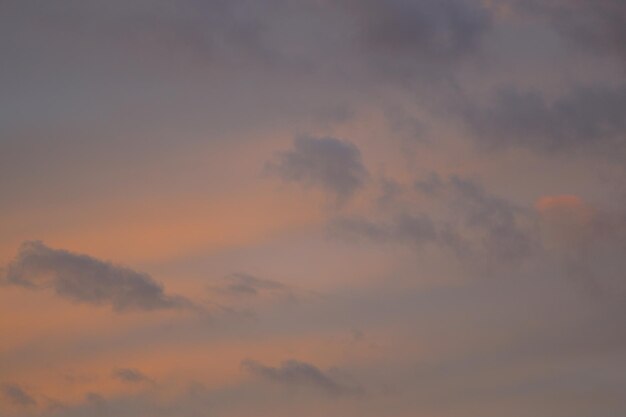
244,208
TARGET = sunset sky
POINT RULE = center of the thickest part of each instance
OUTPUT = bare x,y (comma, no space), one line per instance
313,208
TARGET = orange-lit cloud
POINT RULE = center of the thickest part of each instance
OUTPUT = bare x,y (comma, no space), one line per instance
566,219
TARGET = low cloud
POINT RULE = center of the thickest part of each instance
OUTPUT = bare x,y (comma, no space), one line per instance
84,279
241,284
585,118
596,25
97,405
469,220
588,242
331,164
421,39
17,395
241,293
497,222
416,229
297,373
130,375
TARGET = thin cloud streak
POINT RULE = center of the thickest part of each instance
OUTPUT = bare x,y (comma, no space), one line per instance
297,373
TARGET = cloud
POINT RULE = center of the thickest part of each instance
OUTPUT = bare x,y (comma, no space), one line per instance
418,38
241,293
468,220
84,279
200,31
495,219
97,405
130,375
588,242
17,396
585,118
331,164
597,25
297,373
415,229
429,185
241,284
566,209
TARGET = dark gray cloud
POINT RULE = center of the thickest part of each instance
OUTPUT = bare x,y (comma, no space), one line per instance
297,373
17,395
331,164
85,279
130,375
418,38
587,118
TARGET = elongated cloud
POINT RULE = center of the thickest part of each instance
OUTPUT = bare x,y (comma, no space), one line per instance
241,284
294,372
130,375
87,280
331,164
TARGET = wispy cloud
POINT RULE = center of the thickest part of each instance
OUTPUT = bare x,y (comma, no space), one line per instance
130,375
296,373
241,284
17,395
470,220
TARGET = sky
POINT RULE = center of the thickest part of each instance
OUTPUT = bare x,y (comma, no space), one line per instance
240,208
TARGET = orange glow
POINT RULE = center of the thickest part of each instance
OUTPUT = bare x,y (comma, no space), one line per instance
571,207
